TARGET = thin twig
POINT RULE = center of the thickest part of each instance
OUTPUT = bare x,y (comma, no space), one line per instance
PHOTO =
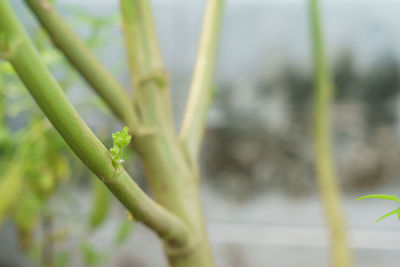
201,92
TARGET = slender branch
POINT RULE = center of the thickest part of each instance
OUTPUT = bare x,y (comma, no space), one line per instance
323,146
80,56
55,105
201,93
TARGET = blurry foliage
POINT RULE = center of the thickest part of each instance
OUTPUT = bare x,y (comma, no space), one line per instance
33,164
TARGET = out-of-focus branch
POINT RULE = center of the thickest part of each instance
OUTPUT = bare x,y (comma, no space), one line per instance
325,170
82,58
149,78
201,92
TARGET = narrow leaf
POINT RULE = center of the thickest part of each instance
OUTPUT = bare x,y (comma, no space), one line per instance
387,215
382,196
398,213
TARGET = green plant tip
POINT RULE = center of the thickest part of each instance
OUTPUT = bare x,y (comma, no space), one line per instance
120,140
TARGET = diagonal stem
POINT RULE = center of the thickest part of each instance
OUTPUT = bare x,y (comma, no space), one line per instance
57,108
82,58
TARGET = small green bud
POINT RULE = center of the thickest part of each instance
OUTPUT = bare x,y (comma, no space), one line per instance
120,140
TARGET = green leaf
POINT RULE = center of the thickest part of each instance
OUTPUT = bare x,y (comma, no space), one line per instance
388,214
382,196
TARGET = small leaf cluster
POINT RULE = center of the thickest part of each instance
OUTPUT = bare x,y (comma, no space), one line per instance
389,197
120,140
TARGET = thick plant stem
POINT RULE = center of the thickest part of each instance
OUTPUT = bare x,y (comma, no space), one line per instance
55,105
84,61
329,190
201,92
172,178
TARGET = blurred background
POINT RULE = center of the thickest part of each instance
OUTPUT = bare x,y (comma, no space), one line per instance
259,191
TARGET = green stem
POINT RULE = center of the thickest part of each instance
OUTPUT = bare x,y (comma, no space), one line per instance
80,56
329,189
55,105
201,93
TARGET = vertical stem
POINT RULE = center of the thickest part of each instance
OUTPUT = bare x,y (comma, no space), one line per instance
201,93
329,189
148,75
155,135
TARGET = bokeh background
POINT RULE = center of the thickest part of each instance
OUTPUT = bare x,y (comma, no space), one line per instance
259,191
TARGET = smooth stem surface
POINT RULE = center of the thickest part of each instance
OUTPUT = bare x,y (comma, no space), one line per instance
82,58
55,105
201,93
323,146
